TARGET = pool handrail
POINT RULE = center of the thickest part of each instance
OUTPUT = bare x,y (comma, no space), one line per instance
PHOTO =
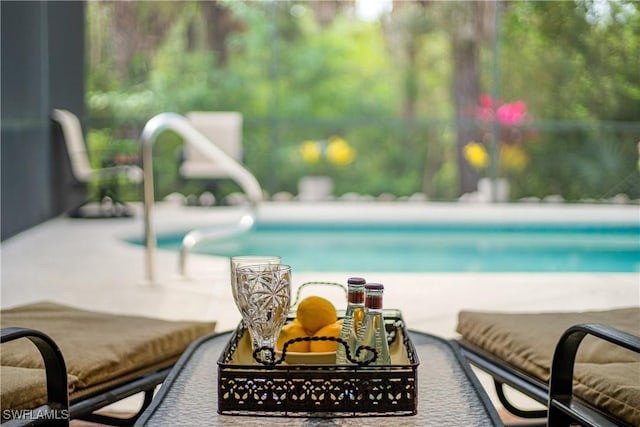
181,125
194,237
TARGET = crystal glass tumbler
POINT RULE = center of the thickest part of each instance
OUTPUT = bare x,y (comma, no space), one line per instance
264,292
242,260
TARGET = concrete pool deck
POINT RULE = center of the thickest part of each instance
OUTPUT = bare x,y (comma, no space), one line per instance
87,263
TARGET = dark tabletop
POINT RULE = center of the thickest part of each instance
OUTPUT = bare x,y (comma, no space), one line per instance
448,393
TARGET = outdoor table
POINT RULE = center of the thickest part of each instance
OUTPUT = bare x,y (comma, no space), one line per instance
449,394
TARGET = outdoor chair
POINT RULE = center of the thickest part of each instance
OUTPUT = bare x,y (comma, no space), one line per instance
31,394
107,179
582,367
222,128
108,358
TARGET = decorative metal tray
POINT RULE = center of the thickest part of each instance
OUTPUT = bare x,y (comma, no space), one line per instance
303,390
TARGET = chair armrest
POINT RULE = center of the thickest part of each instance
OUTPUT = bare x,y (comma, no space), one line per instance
563,409
56,374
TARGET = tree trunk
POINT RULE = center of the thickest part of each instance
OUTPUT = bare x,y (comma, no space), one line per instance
220,25
470,23
466,93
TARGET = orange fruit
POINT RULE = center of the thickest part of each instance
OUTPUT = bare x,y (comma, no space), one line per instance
316,312
290,331
331,330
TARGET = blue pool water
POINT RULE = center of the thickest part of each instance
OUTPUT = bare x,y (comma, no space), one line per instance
436,247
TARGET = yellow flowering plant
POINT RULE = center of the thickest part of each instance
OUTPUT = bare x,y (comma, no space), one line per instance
513,158
322,155
477,156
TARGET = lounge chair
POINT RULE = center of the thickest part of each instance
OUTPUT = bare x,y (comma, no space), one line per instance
25,396
108,358
224,129
82,171
582,367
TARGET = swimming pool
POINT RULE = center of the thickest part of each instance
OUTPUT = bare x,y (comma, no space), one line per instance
441,247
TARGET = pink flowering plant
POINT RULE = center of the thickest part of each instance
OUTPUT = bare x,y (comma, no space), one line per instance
510,117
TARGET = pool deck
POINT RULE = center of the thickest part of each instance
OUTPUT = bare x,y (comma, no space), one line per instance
86,263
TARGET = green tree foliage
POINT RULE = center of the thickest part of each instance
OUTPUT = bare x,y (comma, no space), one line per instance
576,64
384,86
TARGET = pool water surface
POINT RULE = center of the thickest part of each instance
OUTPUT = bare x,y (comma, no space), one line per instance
435,247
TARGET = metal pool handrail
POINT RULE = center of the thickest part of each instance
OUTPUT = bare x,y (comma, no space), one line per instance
192,238
180,125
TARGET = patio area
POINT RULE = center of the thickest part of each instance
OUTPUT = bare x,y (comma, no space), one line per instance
88,263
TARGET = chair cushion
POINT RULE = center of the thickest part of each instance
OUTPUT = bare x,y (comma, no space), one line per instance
100,348
611,386
606,375
25,388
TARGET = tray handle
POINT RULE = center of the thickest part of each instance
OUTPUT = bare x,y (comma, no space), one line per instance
306,284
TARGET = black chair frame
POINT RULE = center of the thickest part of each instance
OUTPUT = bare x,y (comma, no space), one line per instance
562,407
58,411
